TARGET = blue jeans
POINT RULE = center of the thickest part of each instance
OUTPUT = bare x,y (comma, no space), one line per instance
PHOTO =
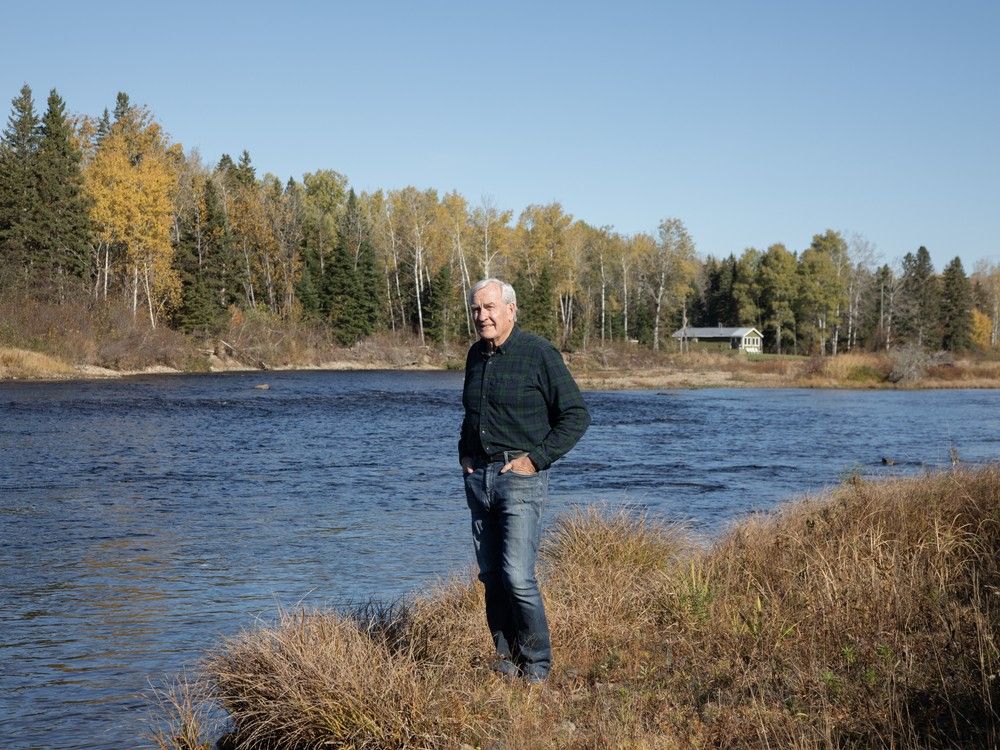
506,526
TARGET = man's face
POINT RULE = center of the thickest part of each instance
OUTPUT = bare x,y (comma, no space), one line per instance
494,317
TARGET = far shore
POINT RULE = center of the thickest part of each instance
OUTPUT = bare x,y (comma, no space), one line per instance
597,370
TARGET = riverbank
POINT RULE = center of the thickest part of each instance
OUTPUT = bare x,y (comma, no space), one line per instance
612,367
40,341
866,617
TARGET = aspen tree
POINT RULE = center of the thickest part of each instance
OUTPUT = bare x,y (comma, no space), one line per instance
779,284
131,180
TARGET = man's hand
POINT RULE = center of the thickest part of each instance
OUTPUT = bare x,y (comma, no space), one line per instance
520,465
466,462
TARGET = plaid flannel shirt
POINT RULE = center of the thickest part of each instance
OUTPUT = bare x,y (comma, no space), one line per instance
520,397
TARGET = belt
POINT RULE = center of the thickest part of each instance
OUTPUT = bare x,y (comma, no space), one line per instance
503,456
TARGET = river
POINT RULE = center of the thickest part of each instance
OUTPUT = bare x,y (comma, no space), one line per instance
144,519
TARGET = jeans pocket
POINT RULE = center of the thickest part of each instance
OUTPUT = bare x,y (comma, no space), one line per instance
525,488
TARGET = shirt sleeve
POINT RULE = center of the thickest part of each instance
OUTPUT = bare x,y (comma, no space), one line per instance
568,415
465,447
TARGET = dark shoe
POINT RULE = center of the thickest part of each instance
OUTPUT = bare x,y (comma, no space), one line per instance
533,679
505,667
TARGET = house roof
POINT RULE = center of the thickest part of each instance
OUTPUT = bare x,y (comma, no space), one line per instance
713,333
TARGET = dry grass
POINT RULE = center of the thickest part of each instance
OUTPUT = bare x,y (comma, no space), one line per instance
866,618
20,363
87,333
855,368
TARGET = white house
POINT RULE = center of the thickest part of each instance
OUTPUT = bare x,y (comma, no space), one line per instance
744,339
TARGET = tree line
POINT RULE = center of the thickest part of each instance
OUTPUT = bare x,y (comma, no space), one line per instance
109,209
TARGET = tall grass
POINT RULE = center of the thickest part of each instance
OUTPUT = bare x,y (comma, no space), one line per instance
865,618
19,363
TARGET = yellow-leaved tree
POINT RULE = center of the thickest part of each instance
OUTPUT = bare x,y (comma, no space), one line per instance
982,329
132,179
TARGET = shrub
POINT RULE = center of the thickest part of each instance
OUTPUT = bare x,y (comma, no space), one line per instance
909,363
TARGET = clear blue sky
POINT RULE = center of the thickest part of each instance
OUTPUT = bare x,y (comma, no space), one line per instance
753,122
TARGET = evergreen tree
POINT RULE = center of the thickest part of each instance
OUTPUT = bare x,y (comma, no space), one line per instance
122,106
719,304
707,291
342,293
244,172
20,230
206,264
368,310
440,309
193,314
197,312
306,290
226,166
919,303
537,304
358,234
221,266
63,208
103,127
956,308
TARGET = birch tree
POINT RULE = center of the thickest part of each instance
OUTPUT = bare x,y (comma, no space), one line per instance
669,271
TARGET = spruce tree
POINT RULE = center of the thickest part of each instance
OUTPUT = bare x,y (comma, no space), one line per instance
206,264
193,315
19,226
221,265
63,207
197,312
956,308
440,307
225,167
919,301
122,106
369,310
722,306
244,171
341,293
537,304
306,289
103,129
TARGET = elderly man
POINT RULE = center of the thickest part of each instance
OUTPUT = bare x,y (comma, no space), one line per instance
522,412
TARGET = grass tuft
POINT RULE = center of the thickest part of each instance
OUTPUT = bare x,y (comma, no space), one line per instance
864,618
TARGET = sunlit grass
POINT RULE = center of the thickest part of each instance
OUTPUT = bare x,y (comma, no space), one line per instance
20,363
865,618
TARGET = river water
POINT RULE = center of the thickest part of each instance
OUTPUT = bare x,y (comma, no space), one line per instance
144,519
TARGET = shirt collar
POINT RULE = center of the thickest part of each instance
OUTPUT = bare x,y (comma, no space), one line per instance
505,346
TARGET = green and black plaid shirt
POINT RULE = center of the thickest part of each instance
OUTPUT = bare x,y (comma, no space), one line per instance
520,397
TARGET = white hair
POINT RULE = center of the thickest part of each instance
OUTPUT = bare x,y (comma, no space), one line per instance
507,293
